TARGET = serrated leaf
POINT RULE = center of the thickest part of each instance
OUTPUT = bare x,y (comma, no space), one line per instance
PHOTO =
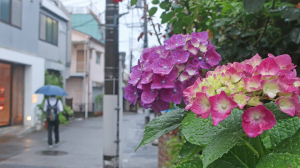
237,157
163,5
272,106
133,2
155,2
194,163
284,129
295,35
199,131
188,150
286,154
162,125
253,6
152,11
291,14
167,17
226,139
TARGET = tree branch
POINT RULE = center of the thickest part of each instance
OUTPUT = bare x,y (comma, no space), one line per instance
156,32
266,26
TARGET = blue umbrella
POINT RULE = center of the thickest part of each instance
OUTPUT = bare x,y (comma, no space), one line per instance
52,90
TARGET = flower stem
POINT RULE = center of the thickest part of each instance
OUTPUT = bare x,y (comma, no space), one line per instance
258,146
251,147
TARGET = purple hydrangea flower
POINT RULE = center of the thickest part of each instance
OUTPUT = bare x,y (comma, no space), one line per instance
166,81
148,95
172,95
160,105
197,38
131,94
135,75
175,41
162,66
179,57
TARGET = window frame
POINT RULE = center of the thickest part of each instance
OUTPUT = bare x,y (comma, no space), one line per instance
98,53
10,16
52,35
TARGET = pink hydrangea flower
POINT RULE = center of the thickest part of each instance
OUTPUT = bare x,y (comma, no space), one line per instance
270,87
201,105
256,120
287,105
221,106
268,67
253,83
241,99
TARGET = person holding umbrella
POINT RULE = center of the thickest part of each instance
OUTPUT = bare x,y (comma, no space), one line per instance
52,107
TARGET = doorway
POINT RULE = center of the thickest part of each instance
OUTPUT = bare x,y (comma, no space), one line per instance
5,94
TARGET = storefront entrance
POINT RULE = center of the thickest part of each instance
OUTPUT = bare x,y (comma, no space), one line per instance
11,94
5,94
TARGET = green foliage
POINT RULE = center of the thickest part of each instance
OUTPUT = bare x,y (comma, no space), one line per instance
62,119
162,125
99,101
52,79
239,28
68,110
286,154
152,11
188,150
195,163
253,6
173,146
133,2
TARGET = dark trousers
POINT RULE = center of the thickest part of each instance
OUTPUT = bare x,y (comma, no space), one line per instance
50,126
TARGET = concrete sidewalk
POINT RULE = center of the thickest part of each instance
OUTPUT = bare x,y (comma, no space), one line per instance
81,147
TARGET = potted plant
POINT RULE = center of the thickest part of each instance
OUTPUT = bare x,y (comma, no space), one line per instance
67,112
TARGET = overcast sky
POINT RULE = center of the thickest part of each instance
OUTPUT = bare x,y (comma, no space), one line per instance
125,21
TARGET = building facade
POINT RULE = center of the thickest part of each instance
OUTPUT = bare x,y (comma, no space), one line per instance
86,72
34,38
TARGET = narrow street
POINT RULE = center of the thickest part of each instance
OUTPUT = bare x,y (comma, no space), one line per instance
80,147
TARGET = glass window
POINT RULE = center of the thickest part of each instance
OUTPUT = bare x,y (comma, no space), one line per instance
48,29
5,10
11,12
43,27
55,32
98,58
16,13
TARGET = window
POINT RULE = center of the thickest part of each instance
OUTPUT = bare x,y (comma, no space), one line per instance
48,29
98,56
11,12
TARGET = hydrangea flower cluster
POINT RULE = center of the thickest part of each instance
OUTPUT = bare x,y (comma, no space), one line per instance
246,86
163,72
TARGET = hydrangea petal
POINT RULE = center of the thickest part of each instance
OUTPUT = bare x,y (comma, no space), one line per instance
286,105
270,87
256,120
268,67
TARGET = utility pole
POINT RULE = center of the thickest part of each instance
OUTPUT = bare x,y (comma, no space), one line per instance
147,111
110,98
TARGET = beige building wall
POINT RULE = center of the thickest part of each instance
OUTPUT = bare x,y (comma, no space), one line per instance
95,71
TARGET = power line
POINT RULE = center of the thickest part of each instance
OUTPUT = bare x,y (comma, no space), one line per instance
84,23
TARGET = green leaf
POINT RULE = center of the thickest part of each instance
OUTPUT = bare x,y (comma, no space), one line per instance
237,157
283,129
152,11
266,140
155,2
188,150
133,2
194,163
286,154
178,27
219,24
252,6
162,14
291,14
176,6
181,15
172,20
272,106
295,35
163,5
226,139
167,17
162,125
199,131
